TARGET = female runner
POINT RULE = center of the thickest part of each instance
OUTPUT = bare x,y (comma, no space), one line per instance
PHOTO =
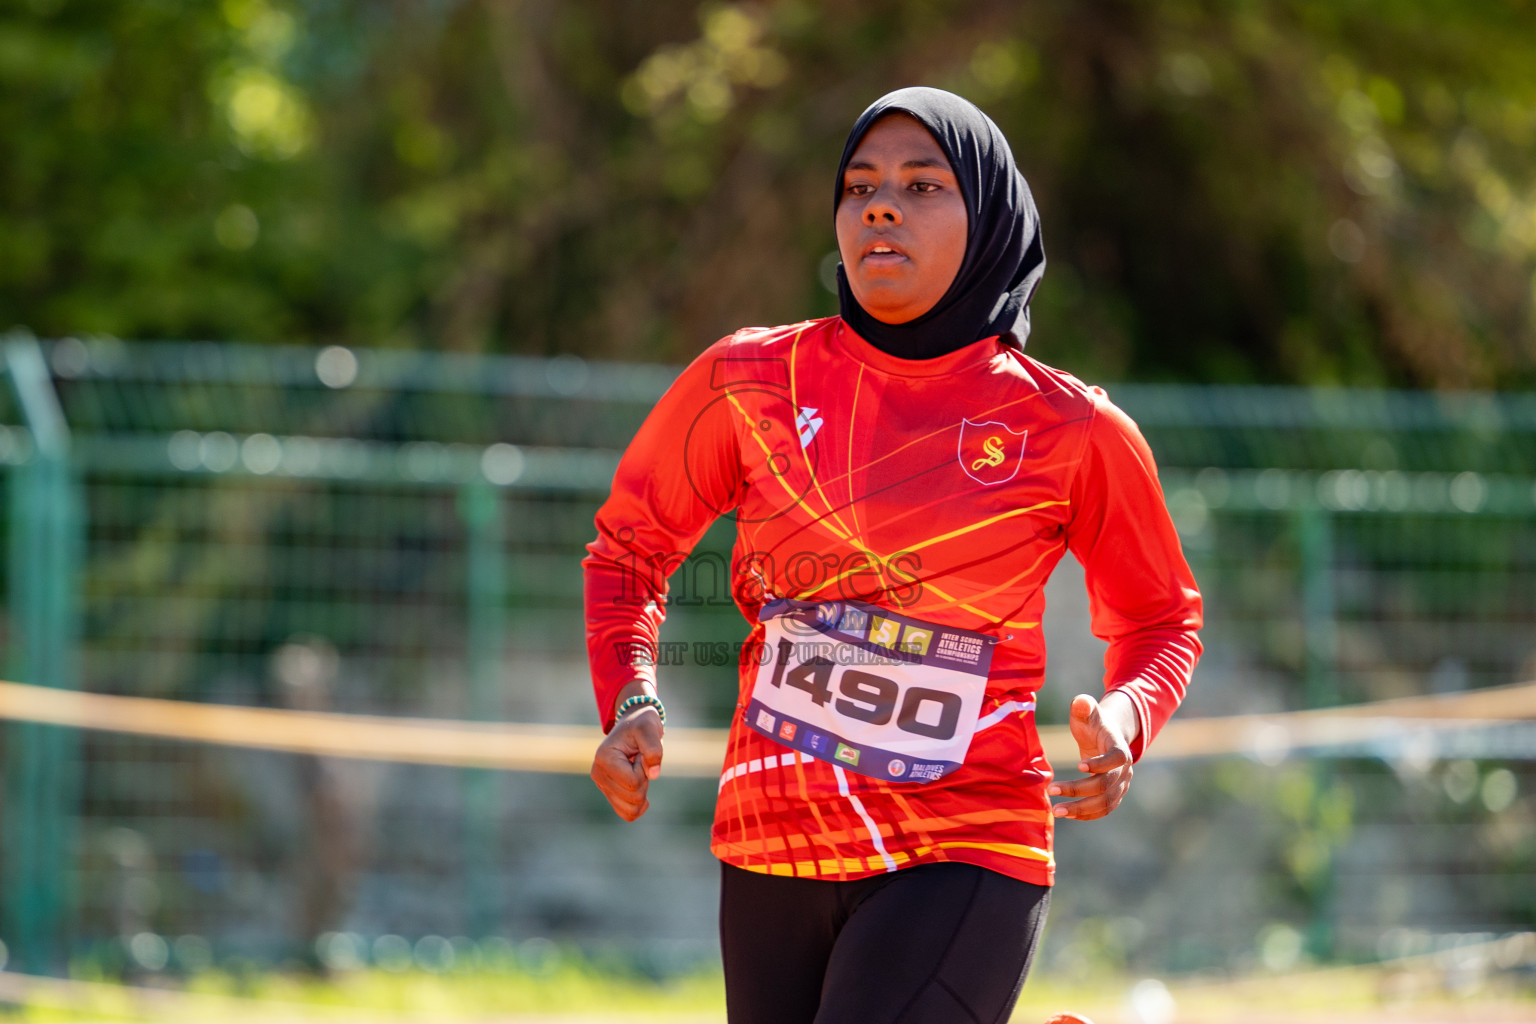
904,479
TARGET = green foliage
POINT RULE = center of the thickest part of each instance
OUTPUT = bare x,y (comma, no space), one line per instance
572,987
1278,190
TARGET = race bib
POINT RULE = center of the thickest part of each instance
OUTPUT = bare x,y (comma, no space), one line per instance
878,693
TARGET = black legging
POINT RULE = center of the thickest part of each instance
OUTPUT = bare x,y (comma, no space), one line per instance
933,944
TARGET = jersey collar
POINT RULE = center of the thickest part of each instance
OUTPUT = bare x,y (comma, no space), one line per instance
977,353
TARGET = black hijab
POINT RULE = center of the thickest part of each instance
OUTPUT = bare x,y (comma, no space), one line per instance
1004,257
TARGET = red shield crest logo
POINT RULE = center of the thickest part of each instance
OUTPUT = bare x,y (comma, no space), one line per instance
990,453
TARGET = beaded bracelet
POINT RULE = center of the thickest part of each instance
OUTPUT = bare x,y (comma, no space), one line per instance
640,700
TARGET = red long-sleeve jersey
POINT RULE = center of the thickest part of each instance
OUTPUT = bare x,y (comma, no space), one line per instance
945,490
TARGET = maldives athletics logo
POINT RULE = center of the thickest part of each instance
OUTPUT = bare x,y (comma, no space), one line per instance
990,453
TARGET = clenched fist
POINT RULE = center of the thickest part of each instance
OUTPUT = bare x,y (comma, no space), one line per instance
627,760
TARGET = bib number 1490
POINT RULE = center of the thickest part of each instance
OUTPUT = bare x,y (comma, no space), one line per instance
867,697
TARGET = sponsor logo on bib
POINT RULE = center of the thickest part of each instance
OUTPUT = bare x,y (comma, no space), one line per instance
897,767
847,754
787,731
765,721
915,641
853,622
884,632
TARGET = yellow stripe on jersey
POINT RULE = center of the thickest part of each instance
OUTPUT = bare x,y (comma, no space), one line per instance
843,866
952,534
1006,849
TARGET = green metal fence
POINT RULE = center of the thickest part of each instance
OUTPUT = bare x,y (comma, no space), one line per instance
43,559
399,532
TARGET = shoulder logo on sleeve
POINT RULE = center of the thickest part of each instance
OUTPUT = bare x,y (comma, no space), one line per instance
990,453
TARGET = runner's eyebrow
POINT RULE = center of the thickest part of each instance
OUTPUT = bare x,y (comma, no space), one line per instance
864,165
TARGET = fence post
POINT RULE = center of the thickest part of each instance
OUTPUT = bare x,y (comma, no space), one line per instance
1315,530
1319,674
480,507
43,606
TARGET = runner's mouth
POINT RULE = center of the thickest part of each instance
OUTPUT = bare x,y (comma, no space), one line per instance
880,253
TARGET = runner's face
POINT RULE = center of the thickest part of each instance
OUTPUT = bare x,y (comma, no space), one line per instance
901,223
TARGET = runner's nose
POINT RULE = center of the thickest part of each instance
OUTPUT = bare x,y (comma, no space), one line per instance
880,210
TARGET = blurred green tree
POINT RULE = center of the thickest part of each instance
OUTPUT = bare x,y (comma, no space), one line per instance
1264,190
